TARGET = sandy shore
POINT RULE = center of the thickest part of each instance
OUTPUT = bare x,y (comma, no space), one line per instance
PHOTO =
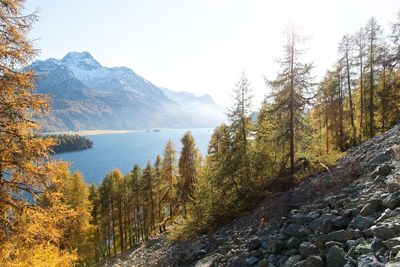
93,132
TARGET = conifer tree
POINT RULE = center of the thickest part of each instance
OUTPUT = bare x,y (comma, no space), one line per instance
168,177
94,198
158,189
240,133
189,164
360,44
31,186
345,48
135,191
79,231
148,200
373,32
291,92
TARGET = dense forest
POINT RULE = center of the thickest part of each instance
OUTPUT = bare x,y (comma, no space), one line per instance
50,215
69,142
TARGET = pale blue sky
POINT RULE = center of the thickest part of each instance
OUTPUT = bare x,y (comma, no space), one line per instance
200,46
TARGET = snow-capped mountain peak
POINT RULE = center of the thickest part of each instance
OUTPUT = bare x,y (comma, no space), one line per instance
87,95
83,60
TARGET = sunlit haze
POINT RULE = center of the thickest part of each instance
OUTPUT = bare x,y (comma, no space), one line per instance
200,46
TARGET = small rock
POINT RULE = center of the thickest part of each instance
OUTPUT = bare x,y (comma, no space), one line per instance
314,214
368,260
296,230
335,257
392,186
293,242
379,179
254,244
378,247
300,264
360,249
341,223
330,244
380,158
252,260
361,223
237,262
273,245
307,249
208,261
339,236
292,261
263,263
350,213
300,218
326,226
392,201
314,261
383,231
382,170
393,252
291,252
392,242
370,207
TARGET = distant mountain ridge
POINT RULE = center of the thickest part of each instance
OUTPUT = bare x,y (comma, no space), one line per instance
87,96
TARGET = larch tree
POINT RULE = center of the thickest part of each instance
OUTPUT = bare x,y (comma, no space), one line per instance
345,48
373,36
189,164
395,40
240,133
360,41
79,230
290,92
148,192
136,194
168,177
158,189
31,186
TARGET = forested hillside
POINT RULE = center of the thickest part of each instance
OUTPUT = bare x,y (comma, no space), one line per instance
69,142
52,217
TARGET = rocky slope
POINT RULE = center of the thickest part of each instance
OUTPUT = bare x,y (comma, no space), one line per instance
88,96
349,216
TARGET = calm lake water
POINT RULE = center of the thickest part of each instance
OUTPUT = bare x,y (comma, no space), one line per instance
123,150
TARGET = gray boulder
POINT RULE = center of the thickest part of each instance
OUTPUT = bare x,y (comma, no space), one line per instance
371,206
292,261
254,244
392,201
361,222
293,242
296,230
314,261
307,249
209,261
368,260
238,262
335,257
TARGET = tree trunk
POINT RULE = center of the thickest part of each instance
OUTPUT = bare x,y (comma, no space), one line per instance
384,98
371,91
341,133
353,127
361,97
291,125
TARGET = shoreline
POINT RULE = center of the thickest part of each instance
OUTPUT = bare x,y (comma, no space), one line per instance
102,132
92,132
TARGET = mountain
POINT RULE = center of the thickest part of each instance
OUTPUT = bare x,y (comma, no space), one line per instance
87,96
204,106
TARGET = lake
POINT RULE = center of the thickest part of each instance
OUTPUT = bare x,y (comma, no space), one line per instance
123,150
